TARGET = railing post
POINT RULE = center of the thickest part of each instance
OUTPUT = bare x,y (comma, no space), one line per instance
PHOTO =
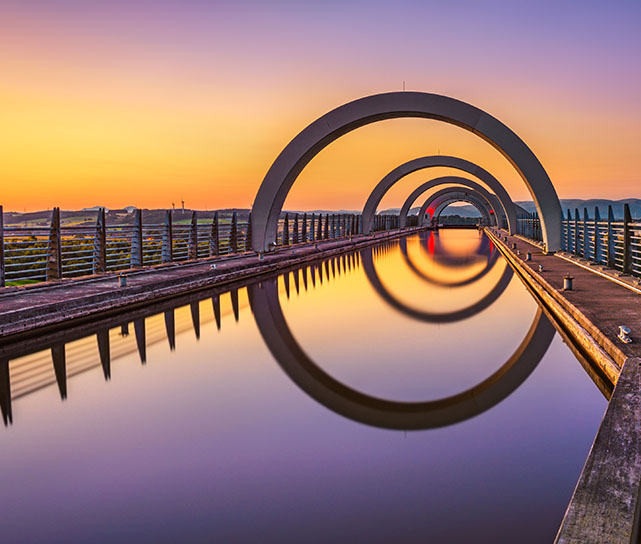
627,260
286,230
295,237
611,246
167,252
319,231
54,248
248,237
597,236
2,281
568,230
100,244
233,234
586,245
577,245
214,241
136,241
312,230
193,236
304,228
326,236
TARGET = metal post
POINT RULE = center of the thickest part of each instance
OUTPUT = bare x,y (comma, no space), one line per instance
248,238
597,236
326,236
233,234
627,260
319,232
577,245
193,237
295,237
136,241
214,240
586,245
100,244
1,250
312,230
54,248
304,228
167,252
611,246
286,230
568,237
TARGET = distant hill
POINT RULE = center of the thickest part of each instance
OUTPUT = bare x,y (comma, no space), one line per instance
574,203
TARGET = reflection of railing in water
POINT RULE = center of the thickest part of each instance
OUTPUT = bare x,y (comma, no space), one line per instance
26,368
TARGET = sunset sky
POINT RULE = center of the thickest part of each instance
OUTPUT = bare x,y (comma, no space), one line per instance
145,103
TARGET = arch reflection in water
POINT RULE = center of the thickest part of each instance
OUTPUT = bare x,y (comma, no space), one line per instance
430,242
378,412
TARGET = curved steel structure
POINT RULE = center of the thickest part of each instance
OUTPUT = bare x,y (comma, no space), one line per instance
310,141
491,199
443,198
504,205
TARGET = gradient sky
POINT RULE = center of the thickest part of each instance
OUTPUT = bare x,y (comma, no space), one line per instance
146,103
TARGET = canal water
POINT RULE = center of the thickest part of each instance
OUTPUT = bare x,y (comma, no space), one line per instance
409,392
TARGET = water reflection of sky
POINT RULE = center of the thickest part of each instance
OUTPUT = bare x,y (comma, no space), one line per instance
213,442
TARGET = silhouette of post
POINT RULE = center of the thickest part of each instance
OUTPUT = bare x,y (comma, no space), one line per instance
598,254
136,241
100,244
60,368
2,281
611,245
193,237
167,252
5,392
54,248
141,338
627,254
586,242
286,230
214,239
105,353
295,236
233,234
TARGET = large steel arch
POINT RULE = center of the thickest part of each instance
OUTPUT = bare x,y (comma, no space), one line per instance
310,141
377,194
445,180
443,198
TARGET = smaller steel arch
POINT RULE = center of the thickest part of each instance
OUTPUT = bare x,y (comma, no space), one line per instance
433,161
439,200
459,181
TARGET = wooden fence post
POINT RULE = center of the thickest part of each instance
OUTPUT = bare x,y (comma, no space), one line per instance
167,252
100,244
54,248
193,237
136,241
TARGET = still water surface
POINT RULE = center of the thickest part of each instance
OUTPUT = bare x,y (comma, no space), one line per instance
312,414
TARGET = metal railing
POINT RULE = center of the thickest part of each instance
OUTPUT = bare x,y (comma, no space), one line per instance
30,254
612,243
